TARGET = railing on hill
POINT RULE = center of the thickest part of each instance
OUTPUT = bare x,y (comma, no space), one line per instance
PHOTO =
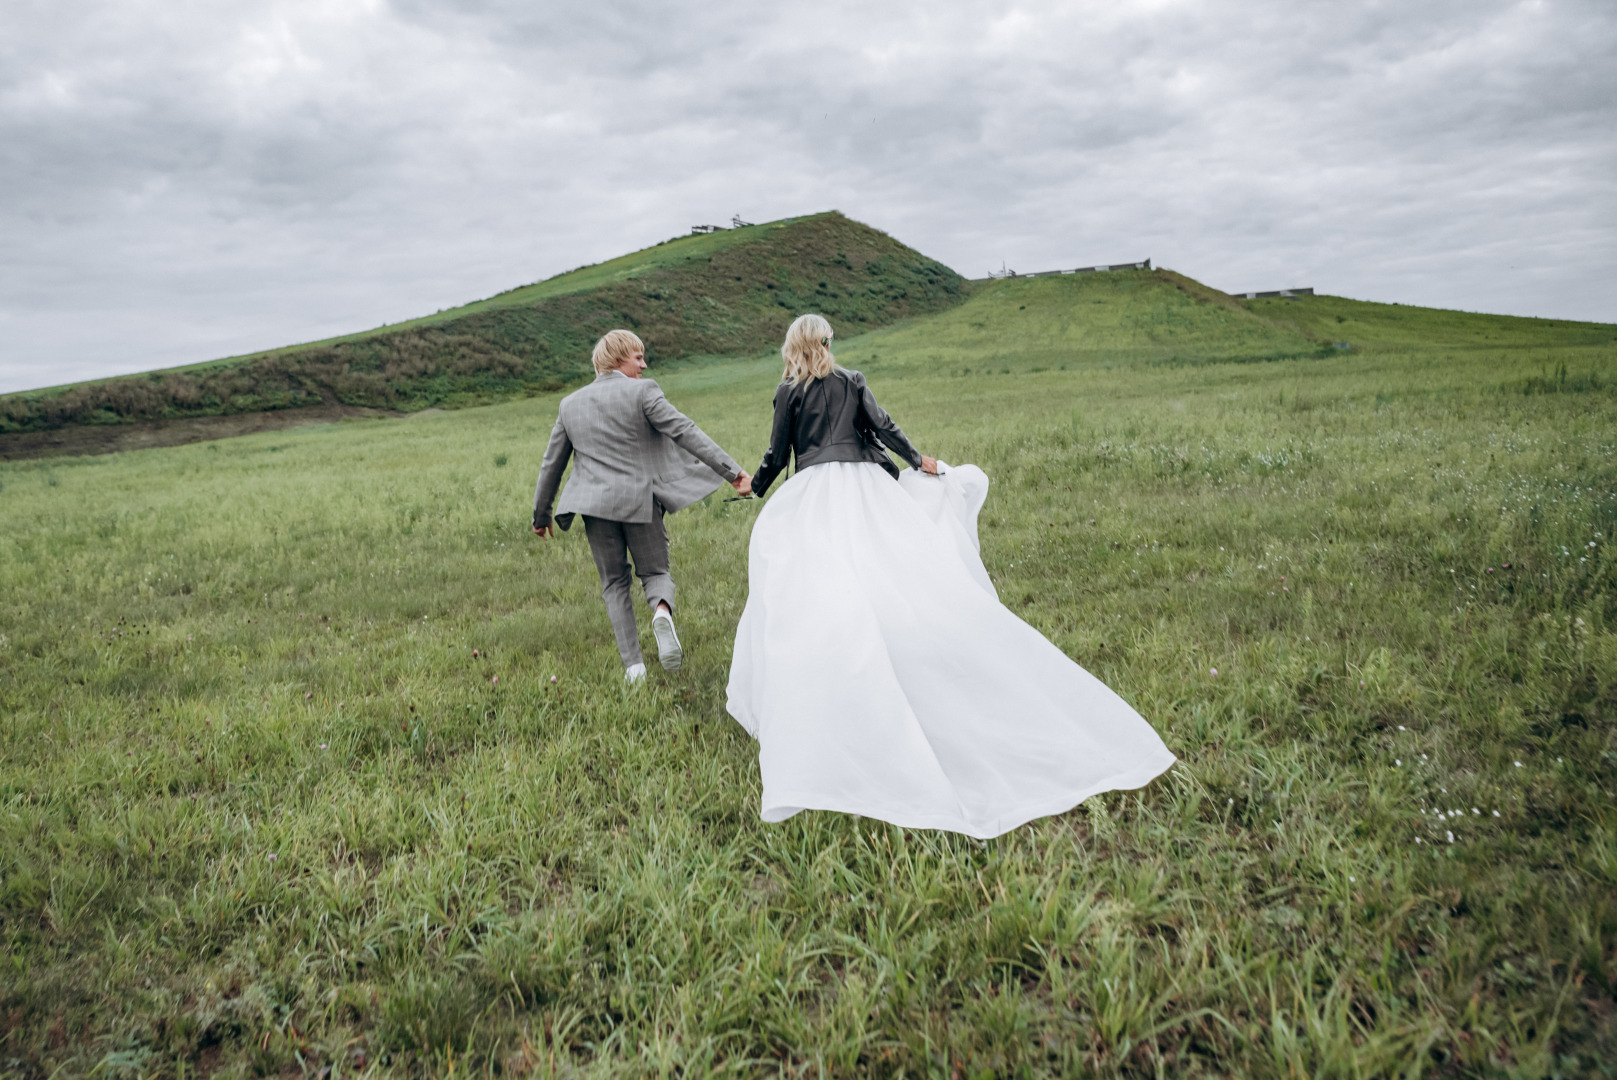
1143,264
735,223
1274,292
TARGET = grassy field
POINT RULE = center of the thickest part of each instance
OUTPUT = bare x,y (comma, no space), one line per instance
315,761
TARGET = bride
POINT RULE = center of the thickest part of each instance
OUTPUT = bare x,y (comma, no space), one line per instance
874,662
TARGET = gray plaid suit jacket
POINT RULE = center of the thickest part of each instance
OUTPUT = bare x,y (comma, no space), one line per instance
631,446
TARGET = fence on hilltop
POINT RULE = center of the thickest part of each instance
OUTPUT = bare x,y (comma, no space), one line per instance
1143,264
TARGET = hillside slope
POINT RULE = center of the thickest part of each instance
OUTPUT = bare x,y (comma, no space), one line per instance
717,294
1370,325
1120,317
1158,317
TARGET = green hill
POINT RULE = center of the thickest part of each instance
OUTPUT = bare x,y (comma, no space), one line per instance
1158,317
717,294
730,294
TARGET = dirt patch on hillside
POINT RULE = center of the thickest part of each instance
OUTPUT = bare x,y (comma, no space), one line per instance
114,438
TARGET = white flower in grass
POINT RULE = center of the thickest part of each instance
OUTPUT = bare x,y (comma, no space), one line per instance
1450,836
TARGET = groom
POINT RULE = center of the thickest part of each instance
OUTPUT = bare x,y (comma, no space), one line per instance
638,457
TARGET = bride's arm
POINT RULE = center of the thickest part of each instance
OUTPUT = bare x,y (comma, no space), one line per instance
780,442
891,435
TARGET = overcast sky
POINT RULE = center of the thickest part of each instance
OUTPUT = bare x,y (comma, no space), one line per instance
183,180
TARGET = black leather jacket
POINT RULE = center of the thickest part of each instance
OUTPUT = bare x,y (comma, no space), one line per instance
831,419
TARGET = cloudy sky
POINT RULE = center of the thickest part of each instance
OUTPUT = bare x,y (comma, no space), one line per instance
182,180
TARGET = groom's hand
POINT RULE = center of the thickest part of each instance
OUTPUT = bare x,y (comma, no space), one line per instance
929,465
743,484
545,531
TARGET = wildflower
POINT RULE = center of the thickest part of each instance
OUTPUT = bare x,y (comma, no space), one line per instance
1352,878
496,678
322,746
1361,683
309,695
1398,761
1496,813
1212,671
476,653
1417,839
272,856
553,678
1449,835
1400,726
1475,812
1518,764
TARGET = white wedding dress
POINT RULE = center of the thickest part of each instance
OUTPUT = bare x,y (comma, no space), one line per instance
881,675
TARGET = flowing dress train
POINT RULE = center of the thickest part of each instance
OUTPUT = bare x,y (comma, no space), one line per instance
881,675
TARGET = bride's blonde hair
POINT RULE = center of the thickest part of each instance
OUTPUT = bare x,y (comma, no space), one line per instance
807,349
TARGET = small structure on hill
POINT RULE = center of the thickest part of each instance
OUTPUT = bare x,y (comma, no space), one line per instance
1143,264
1292,293
697,230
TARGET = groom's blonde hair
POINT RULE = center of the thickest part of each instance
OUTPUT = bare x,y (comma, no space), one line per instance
807,350
613,349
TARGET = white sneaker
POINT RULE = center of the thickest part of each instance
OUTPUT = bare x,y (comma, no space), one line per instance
669,654
635,676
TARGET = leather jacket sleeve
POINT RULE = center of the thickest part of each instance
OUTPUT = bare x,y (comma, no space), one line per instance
780,441
891,435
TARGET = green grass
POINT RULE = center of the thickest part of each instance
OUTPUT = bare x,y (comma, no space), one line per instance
215,654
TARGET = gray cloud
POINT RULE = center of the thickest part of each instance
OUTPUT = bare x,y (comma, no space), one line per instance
183,182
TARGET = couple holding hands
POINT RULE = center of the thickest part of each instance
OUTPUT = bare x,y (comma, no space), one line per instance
873,661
